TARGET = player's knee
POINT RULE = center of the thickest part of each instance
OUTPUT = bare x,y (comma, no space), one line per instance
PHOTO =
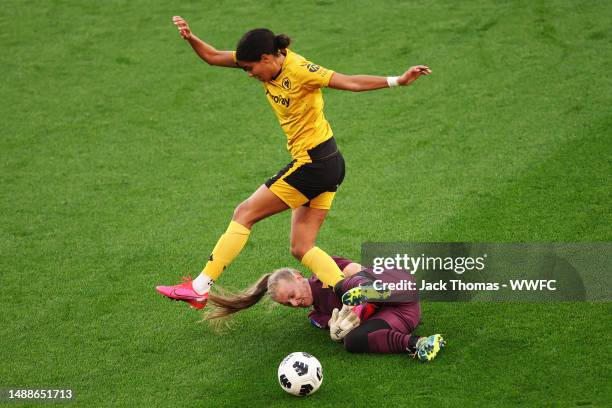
242,214
356,342
298,250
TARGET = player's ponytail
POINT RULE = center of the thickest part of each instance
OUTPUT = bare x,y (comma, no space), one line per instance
282,41
225,303
259,41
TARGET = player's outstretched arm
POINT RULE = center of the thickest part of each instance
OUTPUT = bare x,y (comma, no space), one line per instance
360,83
207,52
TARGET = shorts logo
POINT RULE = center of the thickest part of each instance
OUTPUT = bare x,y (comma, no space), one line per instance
278,99
286,83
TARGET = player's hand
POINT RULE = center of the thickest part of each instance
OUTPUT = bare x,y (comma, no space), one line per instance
342,322
413,74
182,26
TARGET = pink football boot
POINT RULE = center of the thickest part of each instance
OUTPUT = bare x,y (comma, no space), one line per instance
184,291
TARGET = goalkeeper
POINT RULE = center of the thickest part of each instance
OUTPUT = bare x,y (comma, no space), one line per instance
366,328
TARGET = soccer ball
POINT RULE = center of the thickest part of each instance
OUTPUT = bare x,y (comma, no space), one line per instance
300,374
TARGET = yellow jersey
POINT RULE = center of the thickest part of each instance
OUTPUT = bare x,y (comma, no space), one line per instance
296,99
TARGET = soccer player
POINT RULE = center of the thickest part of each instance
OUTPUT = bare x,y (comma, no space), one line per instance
307,185
367,328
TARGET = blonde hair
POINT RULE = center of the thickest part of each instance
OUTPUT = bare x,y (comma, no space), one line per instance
225,303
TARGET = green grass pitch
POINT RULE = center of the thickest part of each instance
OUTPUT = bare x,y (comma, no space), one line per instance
122,157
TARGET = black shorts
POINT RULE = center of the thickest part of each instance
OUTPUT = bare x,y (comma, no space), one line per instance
311,184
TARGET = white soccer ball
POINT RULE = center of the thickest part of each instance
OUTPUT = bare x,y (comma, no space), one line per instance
300,374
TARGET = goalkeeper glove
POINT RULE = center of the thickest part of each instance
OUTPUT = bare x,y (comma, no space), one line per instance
342,322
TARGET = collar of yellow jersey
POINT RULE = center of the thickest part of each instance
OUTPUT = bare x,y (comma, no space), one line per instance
286,54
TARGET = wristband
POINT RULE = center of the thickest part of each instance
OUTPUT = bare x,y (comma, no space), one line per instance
392,81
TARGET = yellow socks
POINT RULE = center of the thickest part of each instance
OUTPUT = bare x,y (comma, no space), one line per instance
228,247
231,243
323,266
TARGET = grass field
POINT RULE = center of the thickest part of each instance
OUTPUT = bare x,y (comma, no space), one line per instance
122,157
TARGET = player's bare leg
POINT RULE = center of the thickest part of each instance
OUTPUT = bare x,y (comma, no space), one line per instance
305,225
261,204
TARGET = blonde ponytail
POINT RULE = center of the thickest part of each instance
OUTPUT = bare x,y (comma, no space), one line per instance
226,303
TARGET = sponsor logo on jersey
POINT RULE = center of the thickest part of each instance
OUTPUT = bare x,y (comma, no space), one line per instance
313,67
278,99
